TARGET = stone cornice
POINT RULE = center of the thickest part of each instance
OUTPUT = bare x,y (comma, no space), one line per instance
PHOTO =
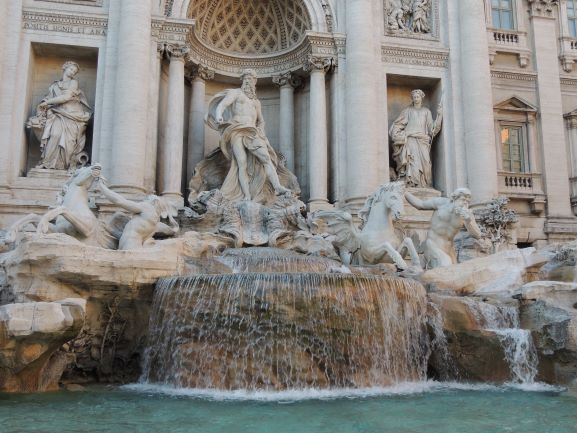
413,56
514,76
39,20
170,30
565,81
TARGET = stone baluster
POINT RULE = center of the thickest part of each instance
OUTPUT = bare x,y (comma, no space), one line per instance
362,108
477,99
318,138
171,154
550,104
287,83
133,74
196,145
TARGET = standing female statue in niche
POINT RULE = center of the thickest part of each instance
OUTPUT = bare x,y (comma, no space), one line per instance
60,122
412,134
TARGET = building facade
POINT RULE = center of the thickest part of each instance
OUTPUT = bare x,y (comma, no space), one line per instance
333,77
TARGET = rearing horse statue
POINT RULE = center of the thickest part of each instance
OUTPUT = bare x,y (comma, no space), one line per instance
73,215
376,240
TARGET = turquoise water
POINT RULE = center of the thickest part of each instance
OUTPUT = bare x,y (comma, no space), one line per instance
417,408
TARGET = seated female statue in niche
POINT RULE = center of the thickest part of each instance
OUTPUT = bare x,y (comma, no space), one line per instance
60,122
412,134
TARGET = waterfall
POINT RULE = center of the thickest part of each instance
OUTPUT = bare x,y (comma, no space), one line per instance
517,344
520,354
275,331
439,345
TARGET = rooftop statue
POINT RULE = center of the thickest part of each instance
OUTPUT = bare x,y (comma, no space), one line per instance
377,239
450,215
60,122
254,165
412,134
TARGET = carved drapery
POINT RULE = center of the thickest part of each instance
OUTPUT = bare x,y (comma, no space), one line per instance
412,18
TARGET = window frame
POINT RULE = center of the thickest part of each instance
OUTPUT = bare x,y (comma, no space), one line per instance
499,10
572,21
524,147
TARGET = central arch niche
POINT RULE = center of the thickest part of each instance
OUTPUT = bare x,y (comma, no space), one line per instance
250,26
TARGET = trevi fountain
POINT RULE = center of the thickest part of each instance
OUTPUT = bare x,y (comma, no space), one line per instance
288,216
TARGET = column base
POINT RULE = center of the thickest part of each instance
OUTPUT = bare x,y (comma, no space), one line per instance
319,204
175,198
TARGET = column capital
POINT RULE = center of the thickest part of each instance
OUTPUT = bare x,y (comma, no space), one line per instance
319,63
571,119
199,72
287,79
177,52
542,8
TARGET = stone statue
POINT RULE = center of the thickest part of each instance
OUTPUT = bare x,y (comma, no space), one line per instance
421,11
60,123
72,215
376,240
412,134
398,13
145,222
450,215
237,115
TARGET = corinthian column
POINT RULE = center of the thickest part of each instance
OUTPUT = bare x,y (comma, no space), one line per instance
478,102
362,148
555,169
131,95
287,83
196,151
172,148
318,142
10,46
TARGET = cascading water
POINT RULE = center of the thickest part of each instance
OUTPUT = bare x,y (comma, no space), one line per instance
439,345
275,331
517,343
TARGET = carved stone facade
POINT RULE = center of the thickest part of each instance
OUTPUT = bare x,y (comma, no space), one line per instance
333,78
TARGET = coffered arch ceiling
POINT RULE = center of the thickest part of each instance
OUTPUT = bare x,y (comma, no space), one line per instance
250,26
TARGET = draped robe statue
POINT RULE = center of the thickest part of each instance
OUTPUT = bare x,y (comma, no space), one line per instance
60,122
412,134
254,167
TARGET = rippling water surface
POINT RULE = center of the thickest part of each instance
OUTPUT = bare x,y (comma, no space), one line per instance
415,408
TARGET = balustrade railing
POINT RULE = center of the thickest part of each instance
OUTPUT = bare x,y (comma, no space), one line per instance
520,183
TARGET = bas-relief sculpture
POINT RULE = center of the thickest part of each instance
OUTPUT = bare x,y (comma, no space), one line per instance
377,240
449,216
411,16
60,123
412,134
